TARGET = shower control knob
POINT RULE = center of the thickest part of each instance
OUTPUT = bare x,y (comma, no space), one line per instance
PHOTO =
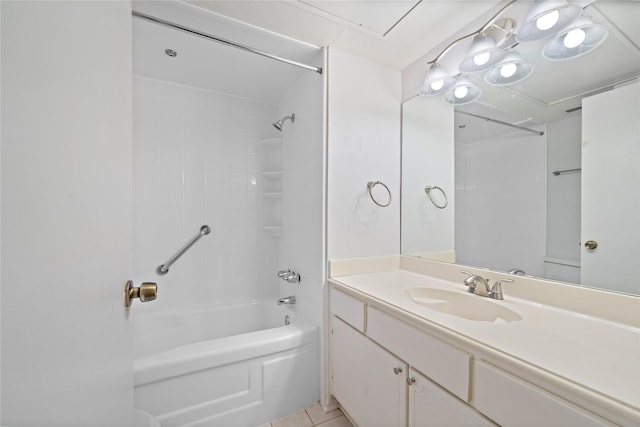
147,291
591,244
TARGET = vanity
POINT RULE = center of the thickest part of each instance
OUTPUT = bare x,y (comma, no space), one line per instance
410,346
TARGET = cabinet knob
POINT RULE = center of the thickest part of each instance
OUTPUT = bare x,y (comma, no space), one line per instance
397,371
411,380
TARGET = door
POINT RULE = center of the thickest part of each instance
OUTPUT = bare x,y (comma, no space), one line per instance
610,196
369,382
66,213
430,405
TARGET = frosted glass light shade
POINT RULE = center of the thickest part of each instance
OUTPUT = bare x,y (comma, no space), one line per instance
482,54
546,18
436,81
463,92
512,69
575,41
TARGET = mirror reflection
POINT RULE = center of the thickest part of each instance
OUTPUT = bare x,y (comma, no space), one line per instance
540,177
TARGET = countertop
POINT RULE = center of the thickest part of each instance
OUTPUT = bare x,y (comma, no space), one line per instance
600,355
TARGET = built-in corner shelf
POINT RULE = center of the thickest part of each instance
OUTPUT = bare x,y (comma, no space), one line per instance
275,230
271,174
272,142
270,188
273,195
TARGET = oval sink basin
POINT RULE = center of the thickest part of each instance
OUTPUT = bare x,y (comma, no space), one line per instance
466,306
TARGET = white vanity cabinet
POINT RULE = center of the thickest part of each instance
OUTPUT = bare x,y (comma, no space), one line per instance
368,381
372,375
391,368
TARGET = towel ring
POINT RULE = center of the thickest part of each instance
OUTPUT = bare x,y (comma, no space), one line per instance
370,186
428,190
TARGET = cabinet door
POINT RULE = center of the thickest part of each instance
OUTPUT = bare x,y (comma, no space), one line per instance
368,382
430,405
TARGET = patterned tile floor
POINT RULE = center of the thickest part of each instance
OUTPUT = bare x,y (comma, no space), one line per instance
313,416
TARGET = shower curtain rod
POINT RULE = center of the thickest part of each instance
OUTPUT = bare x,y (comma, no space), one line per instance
224,41
489,119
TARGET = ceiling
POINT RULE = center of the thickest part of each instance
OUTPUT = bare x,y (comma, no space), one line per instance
399,33
392,32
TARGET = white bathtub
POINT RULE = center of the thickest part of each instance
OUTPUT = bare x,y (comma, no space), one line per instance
236,365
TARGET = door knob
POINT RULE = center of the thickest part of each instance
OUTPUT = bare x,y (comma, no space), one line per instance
397,371
148,291
591,244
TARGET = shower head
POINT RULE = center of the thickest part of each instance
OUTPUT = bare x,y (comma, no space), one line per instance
279,123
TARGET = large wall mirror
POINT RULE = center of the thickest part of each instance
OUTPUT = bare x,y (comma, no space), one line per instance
540,178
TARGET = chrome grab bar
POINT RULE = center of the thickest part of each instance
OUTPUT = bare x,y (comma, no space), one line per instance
164,268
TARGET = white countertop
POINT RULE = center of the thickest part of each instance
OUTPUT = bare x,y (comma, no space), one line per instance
597,354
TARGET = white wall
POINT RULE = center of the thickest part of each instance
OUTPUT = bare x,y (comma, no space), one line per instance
302,242
564,146
196,161
501,203
427,159
363,145
66,213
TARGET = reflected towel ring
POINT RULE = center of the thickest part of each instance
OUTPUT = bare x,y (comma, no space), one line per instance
370,186
428,189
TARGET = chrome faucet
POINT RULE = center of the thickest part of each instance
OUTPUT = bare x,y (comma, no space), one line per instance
494,291
287,300
289,276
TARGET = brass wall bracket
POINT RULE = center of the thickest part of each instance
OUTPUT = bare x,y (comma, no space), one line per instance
148,291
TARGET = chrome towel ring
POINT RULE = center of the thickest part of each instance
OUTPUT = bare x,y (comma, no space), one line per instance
428,189
370,186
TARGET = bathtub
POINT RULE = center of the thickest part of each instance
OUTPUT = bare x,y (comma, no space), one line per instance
232,365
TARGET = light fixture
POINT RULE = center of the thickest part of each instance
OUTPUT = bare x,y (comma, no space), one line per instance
436,81
462,92
577,40
512,69
482,54
546,18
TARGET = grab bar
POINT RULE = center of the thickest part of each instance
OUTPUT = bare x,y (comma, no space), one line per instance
164,268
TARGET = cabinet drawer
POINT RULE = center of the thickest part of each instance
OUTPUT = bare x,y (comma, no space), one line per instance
442,363
509,400
347,308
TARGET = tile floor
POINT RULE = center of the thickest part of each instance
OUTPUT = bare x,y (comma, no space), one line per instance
313,416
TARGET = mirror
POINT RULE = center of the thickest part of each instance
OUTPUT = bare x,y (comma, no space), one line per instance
524,202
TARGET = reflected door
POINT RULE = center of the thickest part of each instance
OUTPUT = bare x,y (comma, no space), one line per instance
611,190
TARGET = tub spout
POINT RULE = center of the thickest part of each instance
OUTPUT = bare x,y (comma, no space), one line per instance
287,300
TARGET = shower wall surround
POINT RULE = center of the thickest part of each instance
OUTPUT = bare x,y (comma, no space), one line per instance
195,163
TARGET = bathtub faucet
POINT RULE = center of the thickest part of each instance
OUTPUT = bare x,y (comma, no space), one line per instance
289,276
287,300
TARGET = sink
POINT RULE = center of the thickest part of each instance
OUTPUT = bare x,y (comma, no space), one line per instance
464,305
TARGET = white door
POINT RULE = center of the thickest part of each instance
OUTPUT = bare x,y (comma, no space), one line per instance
610,189
66,213
369,382
430,405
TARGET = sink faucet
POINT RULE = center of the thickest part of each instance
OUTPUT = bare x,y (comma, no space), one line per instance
287,300
494,292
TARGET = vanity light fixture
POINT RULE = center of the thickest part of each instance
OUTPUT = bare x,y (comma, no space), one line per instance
547,17
462,92
493,44
483,54
512,69
436,81
577,40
